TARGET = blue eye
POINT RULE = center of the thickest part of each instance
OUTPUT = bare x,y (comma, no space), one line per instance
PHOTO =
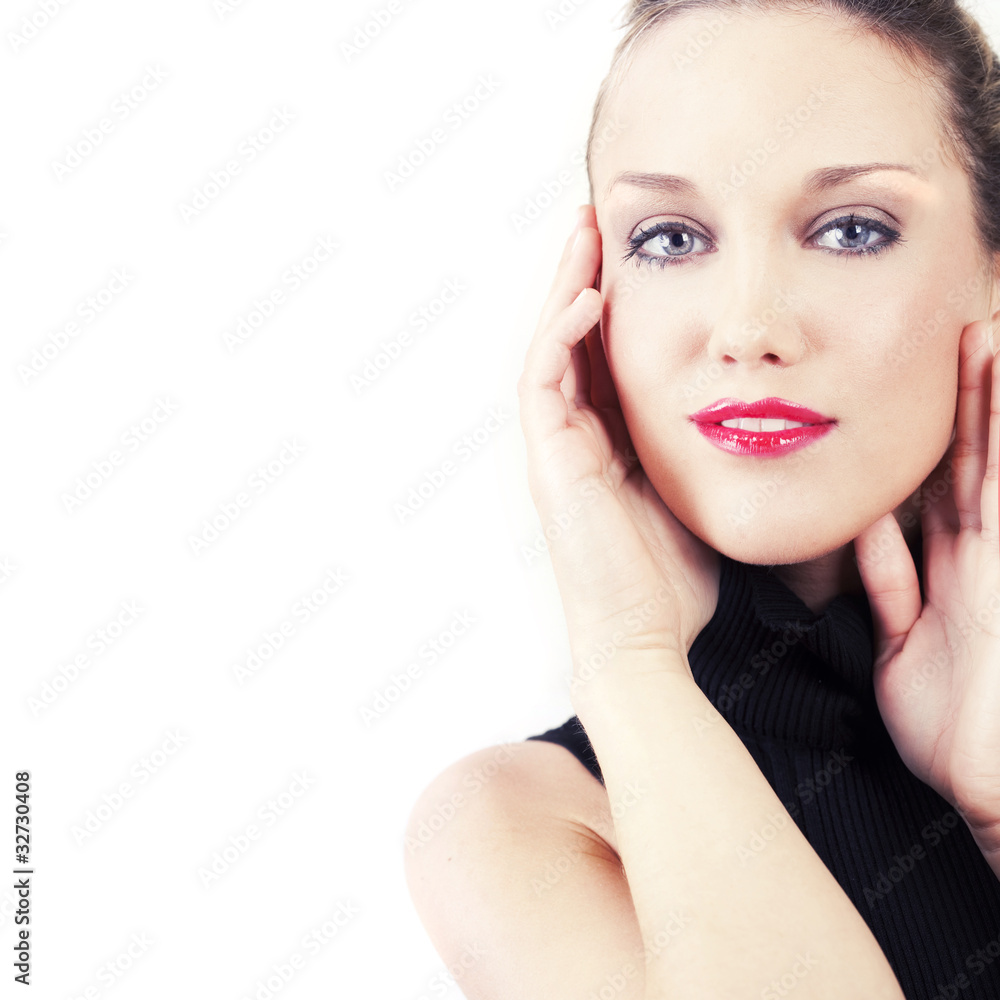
856,228
676,240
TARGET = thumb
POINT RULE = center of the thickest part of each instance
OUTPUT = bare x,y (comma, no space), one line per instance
891,582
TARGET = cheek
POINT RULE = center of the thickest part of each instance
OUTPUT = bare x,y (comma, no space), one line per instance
915,406
920,310
652,366
642,369
643,334
914,360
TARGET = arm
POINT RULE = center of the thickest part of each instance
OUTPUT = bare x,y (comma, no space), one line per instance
719,917
987,840
992,856
684,799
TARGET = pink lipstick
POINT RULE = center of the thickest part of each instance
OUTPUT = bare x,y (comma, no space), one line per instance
768,427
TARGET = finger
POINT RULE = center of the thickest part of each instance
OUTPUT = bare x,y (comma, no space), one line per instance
602,387
569,247
577,269
582,373
891,582
950,494
604,395
972,434
990,493
576,384
937,496
576,272
582,367
543,405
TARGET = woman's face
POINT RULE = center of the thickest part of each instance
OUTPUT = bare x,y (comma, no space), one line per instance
745,296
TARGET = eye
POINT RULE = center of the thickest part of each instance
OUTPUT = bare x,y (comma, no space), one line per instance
852,233
663,243
669,243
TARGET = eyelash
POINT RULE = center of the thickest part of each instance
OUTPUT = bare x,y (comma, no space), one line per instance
663,260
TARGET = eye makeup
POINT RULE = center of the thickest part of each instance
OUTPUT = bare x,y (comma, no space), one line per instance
849,228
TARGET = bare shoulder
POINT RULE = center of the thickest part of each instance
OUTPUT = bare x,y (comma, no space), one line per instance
511,864
513,782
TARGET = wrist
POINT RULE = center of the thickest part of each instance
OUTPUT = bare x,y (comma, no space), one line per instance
629,674
986,836
991,852
979,813
985,832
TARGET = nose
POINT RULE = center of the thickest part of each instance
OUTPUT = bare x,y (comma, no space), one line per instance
756,323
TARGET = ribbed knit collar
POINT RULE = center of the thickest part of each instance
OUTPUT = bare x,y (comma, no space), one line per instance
775,669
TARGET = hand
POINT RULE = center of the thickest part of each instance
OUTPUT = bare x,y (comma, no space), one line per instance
937,667
630,575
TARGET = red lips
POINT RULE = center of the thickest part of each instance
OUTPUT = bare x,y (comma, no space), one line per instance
770,408
760,443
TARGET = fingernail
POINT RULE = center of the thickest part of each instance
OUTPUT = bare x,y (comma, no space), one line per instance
579,219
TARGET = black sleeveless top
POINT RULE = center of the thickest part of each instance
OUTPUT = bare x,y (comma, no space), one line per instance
796,687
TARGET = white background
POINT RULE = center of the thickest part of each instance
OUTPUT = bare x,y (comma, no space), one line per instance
162,710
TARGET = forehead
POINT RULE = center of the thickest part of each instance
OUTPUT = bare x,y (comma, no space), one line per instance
703,92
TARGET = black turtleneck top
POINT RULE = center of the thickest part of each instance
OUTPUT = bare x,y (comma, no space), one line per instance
797,689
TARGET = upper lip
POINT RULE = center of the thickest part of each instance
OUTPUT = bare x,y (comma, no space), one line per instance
770,408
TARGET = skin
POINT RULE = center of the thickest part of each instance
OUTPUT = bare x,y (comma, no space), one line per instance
605,374
845,336
906,370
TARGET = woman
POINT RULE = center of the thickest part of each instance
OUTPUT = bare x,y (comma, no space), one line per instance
758,408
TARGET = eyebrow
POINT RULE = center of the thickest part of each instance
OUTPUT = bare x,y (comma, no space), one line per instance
814,183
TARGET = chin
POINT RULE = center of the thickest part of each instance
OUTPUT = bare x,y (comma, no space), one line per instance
767,550
767,541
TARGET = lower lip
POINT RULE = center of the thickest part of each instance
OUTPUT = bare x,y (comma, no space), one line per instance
766,443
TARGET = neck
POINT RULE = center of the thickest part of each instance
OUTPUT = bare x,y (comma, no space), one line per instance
818,581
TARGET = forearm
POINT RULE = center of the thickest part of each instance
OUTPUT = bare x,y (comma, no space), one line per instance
729,895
